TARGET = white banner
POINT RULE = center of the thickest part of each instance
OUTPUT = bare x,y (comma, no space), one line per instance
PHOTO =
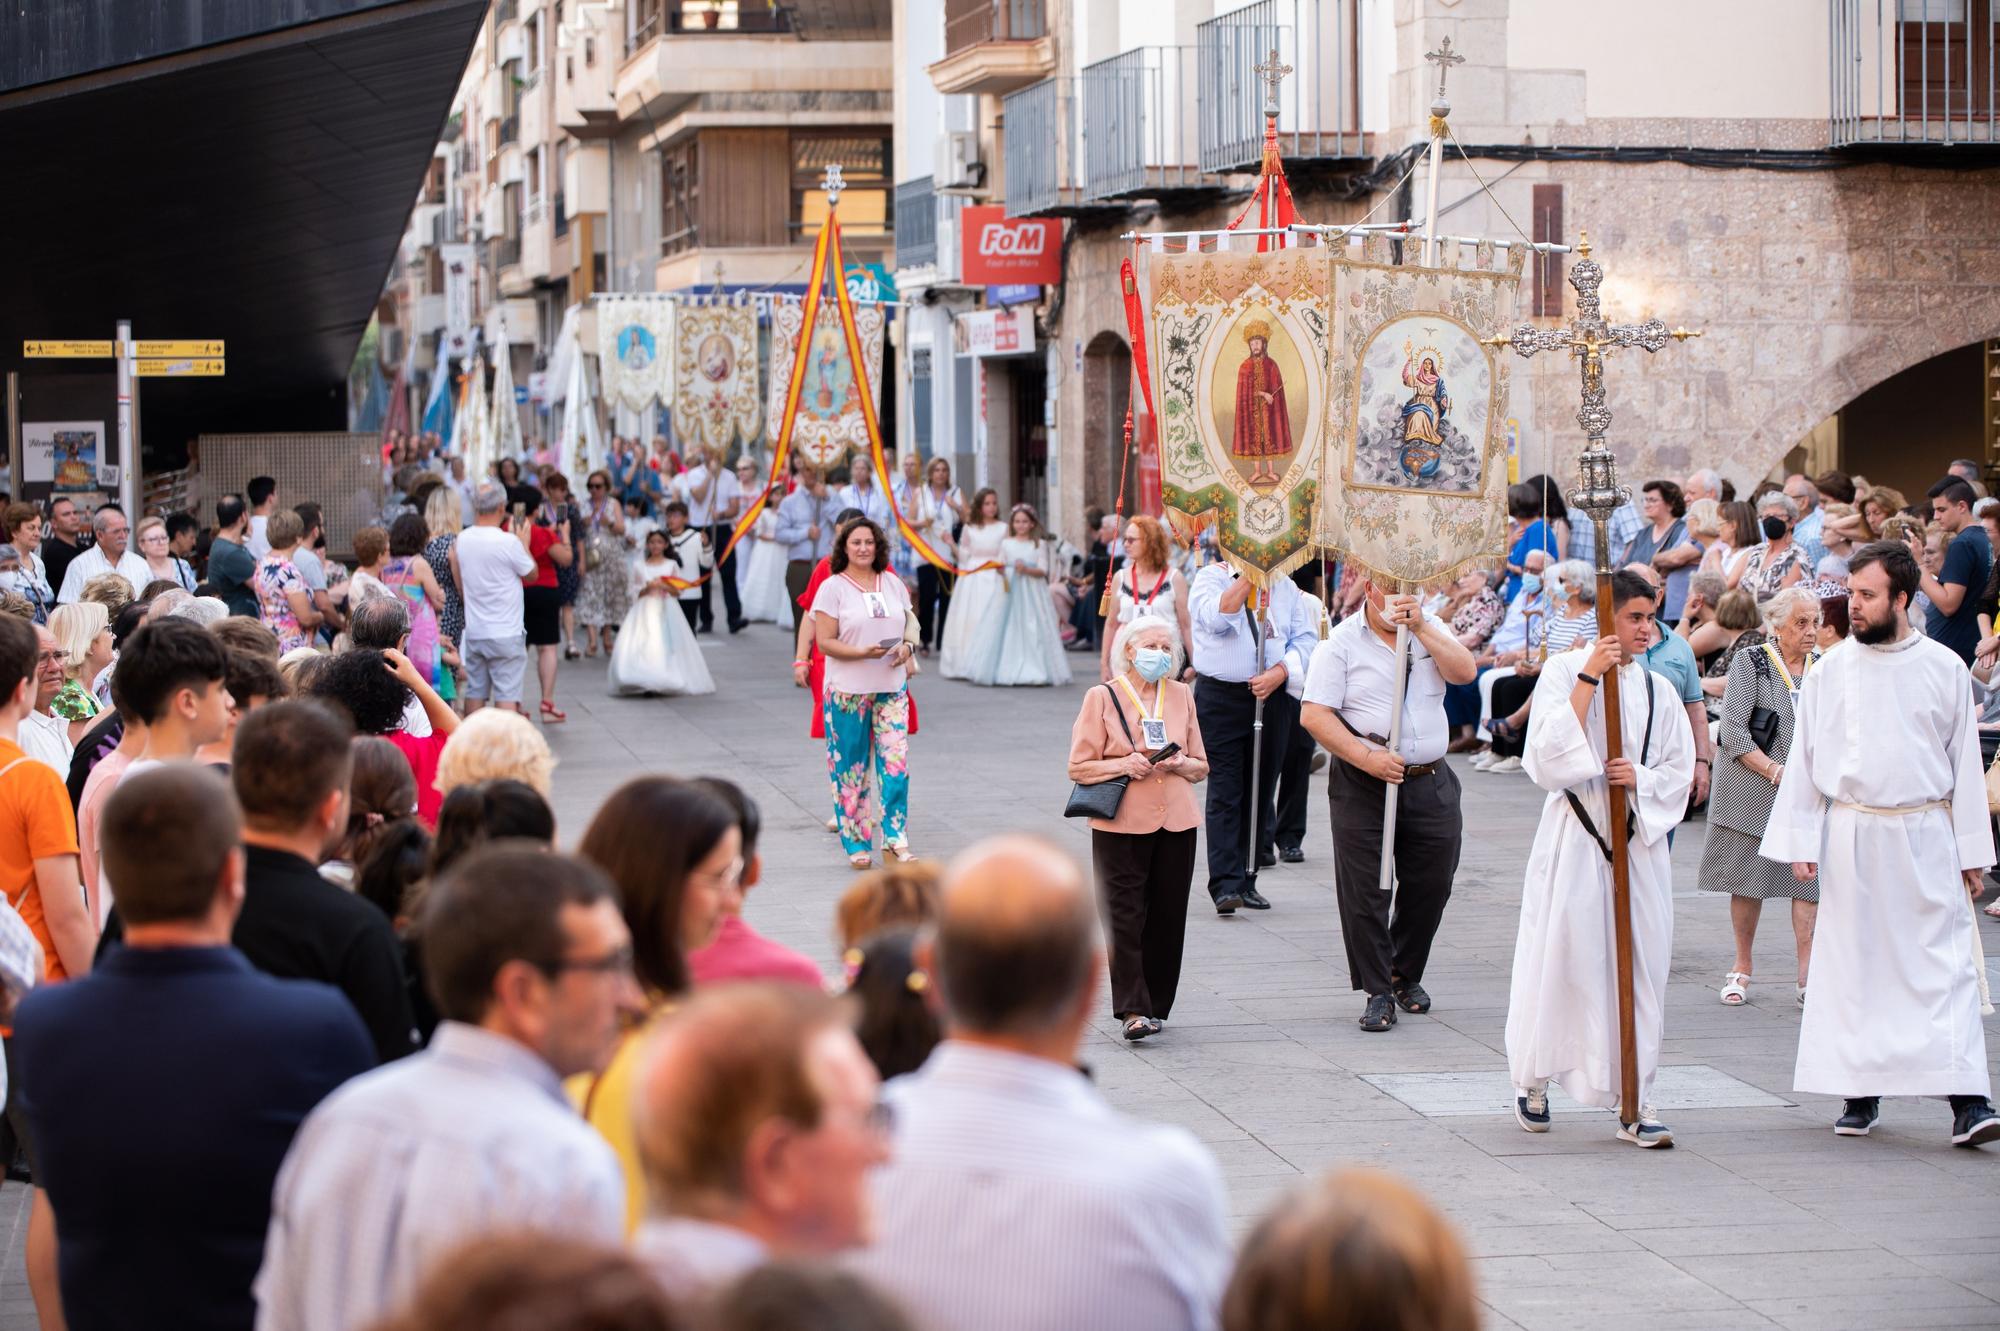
635,340
458,277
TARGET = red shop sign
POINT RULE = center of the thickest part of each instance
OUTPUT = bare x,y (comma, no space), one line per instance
998,250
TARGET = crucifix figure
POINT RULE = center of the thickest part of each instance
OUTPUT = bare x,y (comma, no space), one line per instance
1272,72
832,184
1444,58
1589,337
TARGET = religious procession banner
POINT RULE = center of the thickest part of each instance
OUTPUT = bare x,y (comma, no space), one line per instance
1240,345
829,420
715,375
1415,476
635,340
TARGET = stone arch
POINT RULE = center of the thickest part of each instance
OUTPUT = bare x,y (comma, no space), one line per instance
1107,393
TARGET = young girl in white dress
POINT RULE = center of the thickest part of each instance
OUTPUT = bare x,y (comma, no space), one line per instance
1018,641
976,593
655,651
760,560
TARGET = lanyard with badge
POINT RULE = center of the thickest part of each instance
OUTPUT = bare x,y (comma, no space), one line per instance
1778,662
875,603
1153,727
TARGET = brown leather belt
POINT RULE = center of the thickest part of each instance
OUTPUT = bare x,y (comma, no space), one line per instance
1420,769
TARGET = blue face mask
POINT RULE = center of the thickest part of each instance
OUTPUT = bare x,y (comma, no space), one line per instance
1531,583
1152,663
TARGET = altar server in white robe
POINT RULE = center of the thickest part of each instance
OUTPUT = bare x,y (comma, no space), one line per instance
1562,1007
1883,795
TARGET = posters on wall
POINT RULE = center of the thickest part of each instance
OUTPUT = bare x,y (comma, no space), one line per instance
64,455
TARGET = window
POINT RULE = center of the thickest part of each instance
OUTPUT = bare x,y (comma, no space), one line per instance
1946,51
680,190
1547,298
864,161
532,45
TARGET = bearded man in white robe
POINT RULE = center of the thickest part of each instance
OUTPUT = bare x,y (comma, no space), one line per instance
1562,1008
1884,798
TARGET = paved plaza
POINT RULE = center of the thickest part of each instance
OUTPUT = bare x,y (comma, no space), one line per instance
1759,1217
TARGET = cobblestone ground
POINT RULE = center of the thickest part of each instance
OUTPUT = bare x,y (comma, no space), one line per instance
1760,1217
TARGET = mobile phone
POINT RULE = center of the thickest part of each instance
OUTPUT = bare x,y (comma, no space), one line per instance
1161,755
888,643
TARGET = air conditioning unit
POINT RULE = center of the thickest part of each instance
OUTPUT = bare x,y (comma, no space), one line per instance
958,162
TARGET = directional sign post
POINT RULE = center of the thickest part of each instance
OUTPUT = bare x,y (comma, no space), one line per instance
69,350
176,369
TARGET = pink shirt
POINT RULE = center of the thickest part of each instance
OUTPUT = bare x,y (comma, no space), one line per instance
739,952
97,788
865,618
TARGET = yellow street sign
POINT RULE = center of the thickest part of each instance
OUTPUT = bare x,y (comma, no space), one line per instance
181,347
175,369
66,349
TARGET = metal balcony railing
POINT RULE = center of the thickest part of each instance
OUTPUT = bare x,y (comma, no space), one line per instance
970,22
1040,146
916,223
1913,71
746,19
1319,114
561,215
507,251
510,129
505,11
1139,124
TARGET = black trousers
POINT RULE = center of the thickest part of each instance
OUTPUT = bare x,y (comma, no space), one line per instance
798,572
1508,695
1143,881
933,603
1428,835
1294,792
692,609
1226,712
725,573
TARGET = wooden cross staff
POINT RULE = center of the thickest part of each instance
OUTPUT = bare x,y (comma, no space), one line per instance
1588,338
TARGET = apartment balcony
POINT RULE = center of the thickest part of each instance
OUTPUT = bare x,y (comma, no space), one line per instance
916,224
585,59
671,69
559,215
510,130
1140,123
427,313
506,255
1044,152
537,239
994,46
1929,80
1319,102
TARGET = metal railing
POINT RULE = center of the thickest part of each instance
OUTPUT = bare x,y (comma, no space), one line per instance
1040,146
750,18
507,251
1318,102
510,129
1139,123
970,22
505,11
1912,71
561,215
916,223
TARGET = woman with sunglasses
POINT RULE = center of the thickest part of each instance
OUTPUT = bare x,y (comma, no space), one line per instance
605,595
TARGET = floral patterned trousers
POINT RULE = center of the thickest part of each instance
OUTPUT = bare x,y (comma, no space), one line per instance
865,728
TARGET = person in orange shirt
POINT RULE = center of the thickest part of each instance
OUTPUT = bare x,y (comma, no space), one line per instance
44,883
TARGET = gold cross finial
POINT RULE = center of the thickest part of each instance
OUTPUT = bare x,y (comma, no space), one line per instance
832,184
1444,58
1583,244
1272,72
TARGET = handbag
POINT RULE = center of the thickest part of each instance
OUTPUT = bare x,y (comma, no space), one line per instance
1101,799
1763,723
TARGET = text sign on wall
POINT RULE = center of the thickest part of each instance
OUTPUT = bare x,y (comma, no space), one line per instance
998,250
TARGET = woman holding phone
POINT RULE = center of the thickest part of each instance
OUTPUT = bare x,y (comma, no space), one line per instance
1142,726
862,625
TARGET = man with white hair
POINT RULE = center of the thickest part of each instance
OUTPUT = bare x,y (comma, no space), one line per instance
1806,531
1702,483
111,554
488,561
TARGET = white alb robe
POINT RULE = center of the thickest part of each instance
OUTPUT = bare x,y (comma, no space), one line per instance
1562,1006
1893,1007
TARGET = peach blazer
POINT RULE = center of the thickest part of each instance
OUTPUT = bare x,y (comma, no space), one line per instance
1163,802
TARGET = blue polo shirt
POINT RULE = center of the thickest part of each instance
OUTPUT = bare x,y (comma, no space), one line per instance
1672,659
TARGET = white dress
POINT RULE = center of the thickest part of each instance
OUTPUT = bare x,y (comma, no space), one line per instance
972,597
1562,1007
760,579
1894,1007
656,651
1018,641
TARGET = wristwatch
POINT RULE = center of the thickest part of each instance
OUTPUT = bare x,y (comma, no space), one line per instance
1591,680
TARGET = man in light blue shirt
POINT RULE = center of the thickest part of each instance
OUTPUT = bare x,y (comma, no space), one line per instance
805,529
1232,672
1812,518
862,493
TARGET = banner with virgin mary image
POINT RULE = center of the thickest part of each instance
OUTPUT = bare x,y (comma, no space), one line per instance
829,421
716,395
1415,481
635,361
1240,344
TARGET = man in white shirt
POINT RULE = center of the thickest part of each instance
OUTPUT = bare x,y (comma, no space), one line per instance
1017,1197
757,1128
262,492
44,736
714,498
1349,707
531,964
488,561
109,555
311,564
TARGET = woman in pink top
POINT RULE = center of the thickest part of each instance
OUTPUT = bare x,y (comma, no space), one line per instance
1145,856
861,620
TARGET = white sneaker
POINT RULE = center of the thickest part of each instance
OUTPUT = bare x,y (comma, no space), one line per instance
1531,1109
1648,1131
1483,759
1505,765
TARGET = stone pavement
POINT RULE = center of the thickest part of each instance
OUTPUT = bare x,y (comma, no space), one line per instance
1760,1217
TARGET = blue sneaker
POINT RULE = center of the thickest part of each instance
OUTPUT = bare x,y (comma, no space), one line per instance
1648,1131
1531,1111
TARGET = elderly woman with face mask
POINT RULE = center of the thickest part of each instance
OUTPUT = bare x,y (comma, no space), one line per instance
1145,855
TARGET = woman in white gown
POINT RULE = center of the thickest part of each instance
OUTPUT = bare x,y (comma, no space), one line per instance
656,651
1018,641
975,594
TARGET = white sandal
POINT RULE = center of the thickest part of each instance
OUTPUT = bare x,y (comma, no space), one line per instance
1737,991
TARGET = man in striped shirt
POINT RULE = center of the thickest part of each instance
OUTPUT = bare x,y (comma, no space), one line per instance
1017,1197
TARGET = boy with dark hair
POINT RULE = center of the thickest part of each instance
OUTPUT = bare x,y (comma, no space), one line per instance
263,494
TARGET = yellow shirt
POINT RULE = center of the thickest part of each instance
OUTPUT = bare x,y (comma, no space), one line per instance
605,1101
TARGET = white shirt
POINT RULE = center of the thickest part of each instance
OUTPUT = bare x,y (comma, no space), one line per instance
686,558
1224,647
722,492
404,1164
255,541
693,1258
872,502
44,737
1018,1198
1354,672
91,563
491,564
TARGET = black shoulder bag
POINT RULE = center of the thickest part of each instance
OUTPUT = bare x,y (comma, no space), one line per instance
1763,723
1101,799
1631,822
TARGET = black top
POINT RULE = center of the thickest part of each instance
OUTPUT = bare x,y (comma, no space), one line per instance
56,556
230,570
297,926
163,1090
1967,561
98,743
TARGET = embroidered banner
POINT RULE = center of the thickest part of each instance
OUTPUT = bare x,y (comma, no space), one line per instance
1415,478
715,376
829,419
635,340
1240,343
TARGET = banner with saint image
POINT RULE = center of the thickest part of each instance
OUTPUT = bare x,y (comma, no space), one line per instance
829,421
1415,481
635,350
716,395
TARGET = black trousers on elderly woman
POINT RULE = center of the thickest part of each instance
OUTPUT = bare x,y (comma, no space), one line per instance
1143,880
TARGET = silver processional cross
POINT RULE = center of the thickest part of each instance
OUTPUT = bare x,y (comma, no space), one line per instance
1272,72
1444,58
